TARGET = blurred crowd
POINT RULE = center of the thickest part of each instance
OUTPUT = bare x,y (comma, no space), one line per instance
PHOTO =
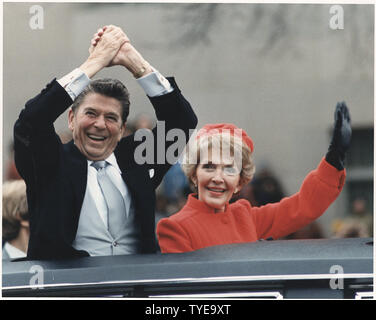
172,194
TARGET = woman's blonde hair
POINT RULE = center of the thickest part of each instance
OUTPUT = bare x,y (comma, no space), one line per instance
15,208
239,150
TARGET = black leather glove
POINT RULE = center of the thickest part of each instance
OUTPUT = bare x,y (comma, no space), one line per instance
341,137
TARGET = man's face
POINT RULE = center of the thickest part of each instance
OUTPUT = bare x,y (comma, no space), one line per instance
97,126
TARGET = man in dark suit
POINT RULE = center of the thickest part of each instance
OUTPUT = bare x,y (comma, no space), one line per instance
70,213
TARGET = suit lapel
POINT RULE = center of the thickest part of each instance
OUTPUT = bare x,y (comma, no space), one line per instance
137,180
141,188
143,197
76,167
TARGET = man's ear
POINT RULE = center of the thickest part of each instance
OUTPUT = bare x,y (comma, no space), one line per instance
122,130
70,119
25,223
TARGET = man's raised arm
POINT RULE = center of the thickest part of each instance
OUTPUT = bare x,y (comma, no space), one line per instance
100,56
35,123
152,82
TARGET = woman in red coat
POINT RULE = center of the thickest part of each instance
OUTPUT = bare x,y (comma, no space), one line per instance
218,163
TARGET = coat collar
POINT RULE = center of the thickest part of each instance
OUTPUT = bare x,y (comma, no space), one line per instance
196,204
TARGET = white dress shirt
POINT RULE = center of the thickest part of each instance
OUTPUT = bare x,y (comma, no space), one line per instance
13,252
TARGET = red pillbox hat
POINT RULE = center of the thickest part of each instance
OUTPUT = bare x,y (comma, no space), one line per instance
211,129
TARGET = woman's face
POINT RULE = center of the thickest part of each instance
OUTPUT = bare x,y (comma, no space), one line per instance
217,179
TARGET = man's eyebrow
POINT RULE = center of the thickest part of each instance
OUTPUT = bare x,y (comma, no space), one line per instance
90,109
113,114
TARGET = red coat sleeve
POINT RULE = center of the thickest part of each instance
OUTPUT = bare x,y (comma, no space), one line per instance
319,189
172,237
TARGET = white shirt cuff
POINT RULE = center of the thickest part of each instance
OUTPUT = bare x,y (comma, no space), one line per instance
74,83
154,84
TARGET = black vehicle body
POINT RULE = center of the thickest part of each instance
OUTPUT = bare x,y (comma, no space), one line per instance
313,269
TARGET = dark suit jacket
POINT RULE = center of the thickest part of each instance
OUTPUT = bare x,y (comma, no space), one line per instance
56,173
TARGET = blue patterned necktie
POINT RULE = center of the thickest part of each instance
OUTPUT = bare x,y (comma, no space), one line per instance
116,213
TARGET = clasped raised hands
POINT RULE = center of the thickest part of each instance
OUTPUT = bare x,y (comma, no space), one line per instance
104,51
120,52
